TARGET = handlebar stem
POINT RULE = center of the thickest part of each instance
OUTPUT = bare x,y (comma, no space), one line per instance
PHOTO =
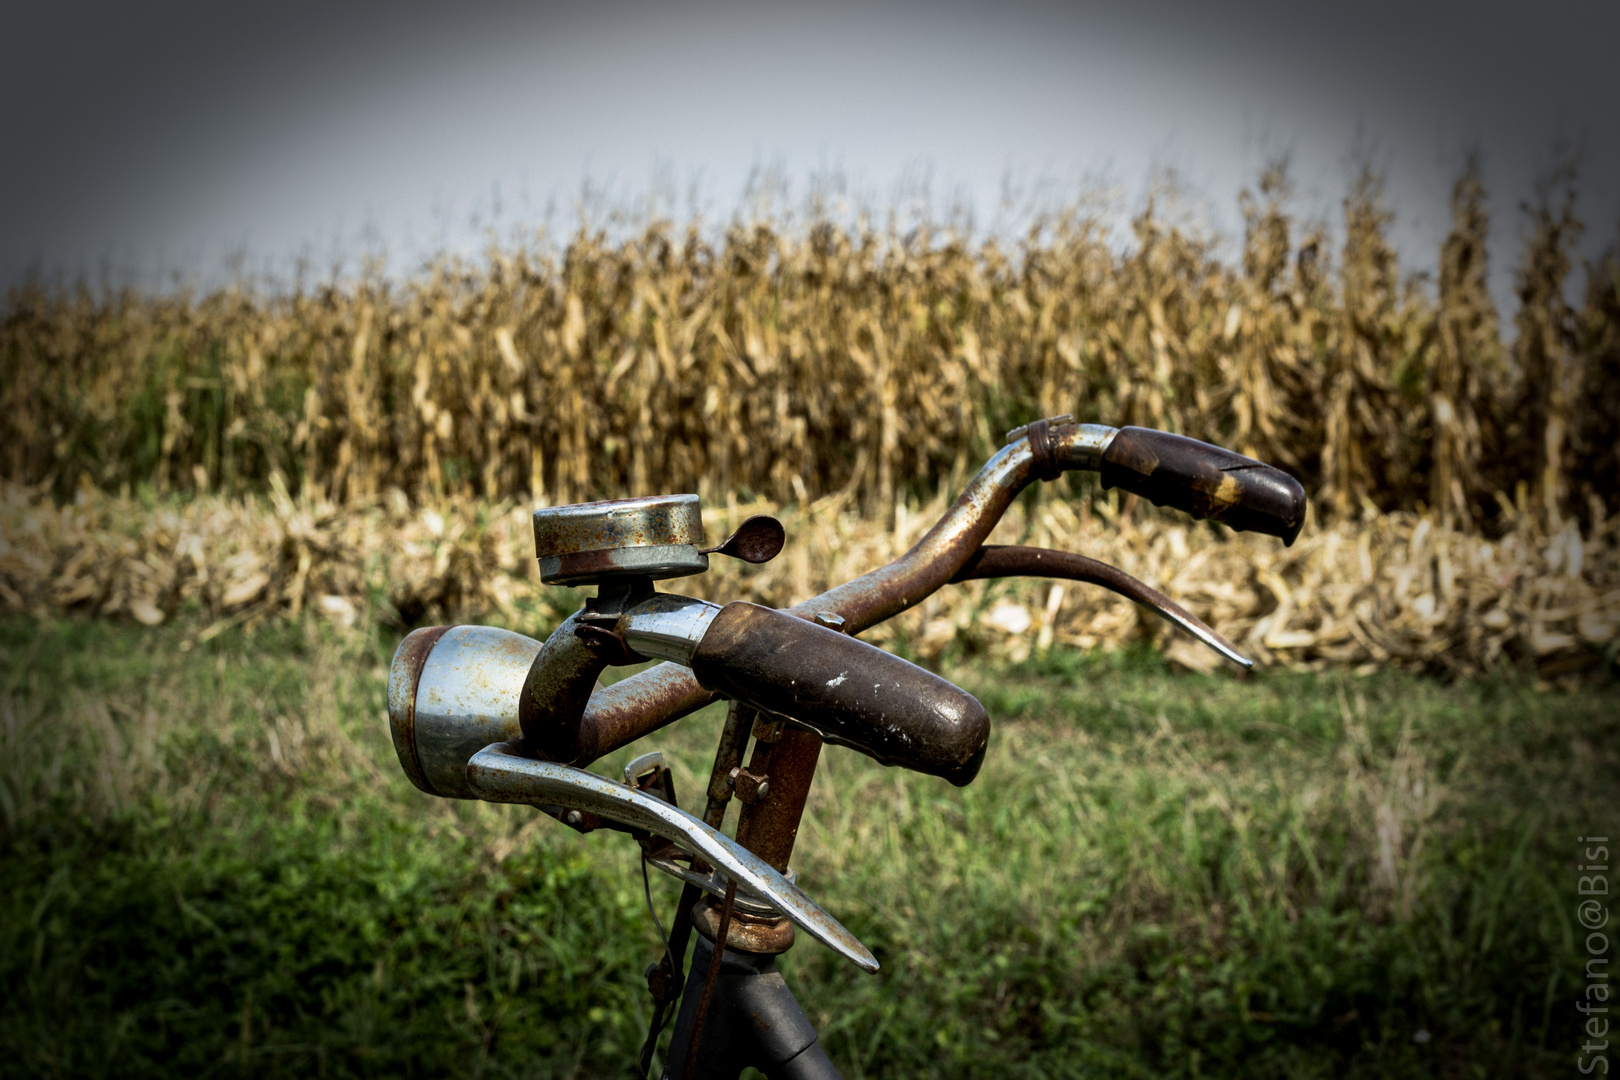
558,690
564,675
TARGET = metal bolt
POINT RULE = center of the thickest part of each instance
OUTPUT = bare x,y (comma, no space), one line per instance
573,817
831,619
731,778
750,788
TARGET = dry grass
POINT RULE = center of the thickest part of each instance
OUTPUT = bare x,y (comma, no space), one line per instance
799,361
369,445
1397,587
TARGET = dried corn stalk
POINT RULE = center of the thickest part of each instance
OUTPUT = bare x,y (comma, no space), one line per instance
1399,589
803,360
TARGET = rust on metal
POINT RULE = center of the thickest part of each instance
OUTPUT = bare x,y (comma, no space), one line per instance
750,787
620,714
757,540
997,560
727,758
558,689
1205,481
750,933
1051,421
803,668
769,828
586,567
1044,464
588,543
650,699
850,692
409,659
618,523
889,590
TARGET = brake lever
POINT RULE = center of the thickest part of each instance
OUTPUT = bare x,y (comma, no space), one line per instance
498,773
646,773
1009,560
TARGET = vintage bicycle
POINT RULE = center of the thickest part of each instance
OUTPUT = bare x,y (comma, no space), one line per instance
484,713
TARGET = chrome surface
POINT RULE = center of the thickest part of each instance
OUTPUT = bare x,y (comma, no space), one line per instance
653,561
714,884
667,627
498,774
656,536
466,698
1084,449
1175,615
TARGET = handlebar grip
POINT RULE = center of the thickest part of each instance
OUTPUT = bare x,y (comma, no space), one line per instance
850,693
1205,481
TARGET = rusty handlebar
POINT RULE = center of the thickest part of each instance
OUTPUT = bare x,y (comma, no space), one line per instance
1205,481
796,678
846,691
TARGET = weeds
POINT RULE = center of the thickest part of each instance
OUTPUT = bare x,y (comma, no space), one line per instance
1155,874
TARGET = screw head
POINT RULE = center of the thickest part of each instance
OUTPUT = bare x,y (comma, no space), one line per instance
573,817
763,790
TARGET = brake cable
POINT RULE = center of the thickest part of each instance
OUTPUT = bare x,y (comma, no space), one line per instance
711,977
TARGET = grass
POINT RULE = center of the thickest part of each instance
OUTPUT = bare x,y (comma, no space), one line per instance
213,866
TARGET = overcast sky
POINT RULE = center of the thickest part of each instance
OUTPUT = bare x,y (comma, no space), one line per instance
152,138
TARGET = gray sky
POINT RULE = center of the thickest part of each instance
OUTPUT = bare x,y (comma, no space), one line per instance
148,139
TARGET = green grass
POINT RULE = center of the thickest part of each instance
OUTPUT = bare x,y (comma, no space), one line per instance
213,866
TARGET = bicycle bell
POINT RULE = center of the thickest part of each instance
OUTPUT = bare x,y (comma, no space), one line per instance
653,537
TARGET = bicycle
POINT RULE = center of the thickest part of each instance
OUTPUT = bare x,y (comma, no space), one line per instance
479,712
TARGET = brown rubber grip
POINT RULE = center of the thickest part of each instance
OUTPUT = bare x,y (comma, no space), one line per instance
1205,481
848,692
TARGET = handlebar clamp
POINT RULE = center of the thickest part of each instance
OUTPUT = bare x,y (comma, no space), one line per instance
1042,447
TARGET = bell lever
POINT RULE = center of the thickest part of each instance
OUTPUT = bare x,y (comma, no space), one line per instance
757,540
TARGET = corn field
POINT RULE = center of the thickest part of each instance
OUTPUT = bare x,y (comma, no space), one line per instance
848,366
795,364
